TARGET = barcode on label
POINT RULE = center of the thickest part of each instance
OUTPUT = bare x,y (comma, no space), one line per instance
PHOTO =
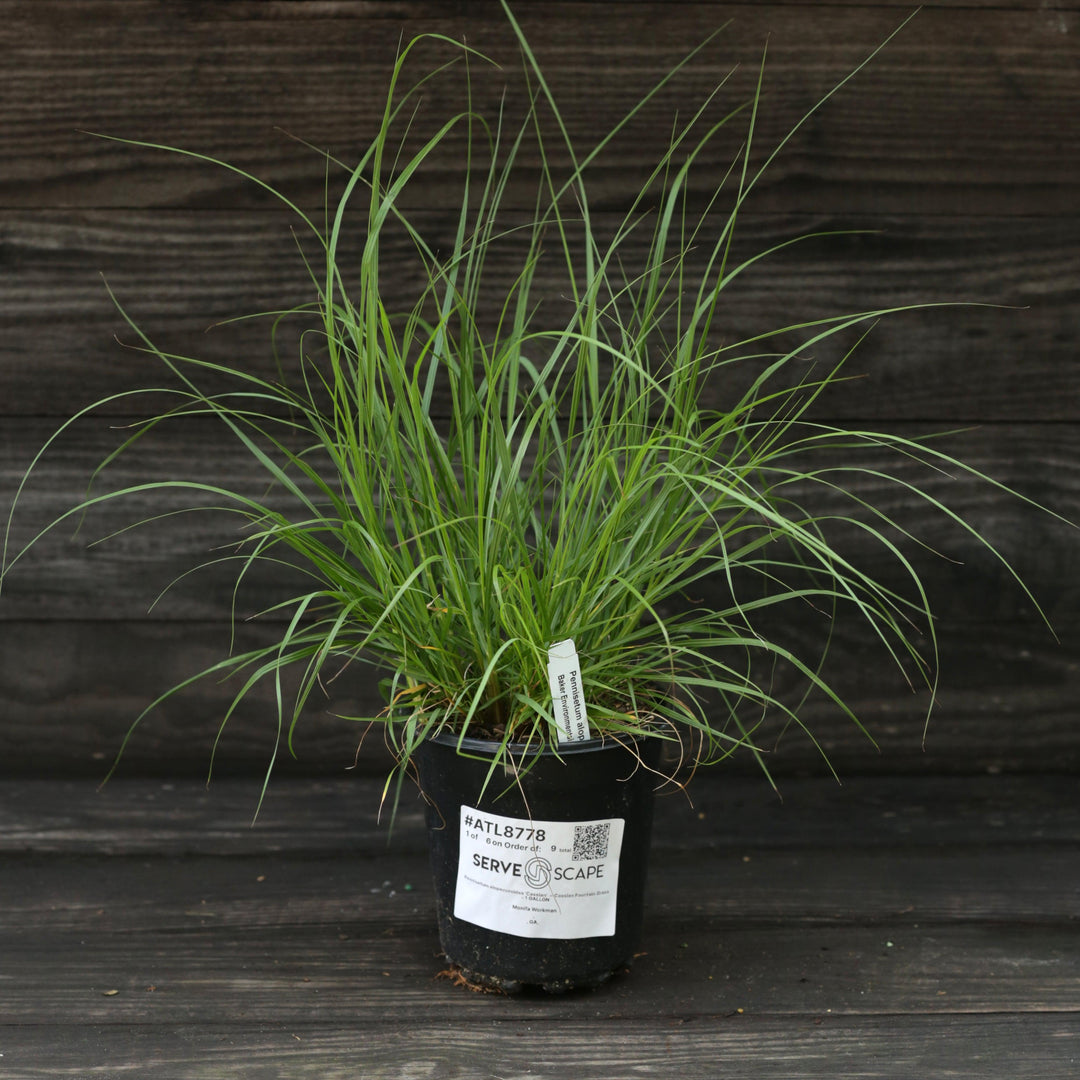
591,841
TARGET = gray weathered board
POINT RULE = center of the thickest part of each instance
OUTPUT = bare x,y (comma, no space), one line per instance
903,929
955,150
919,921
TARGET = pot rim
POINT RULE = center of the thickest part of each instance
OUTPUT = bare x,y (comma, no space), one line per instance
491,747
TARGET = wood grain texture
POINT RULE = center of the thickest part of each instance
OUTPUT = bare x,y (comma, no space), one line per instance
327,818
748,1048
178,272
821,929
953,144
919,920
748,897
882,929
963,112
354,972
70,690
69,574
81,658
787,920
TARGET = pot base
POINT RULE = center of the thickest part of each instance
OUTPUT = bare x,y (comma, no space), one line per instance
477,980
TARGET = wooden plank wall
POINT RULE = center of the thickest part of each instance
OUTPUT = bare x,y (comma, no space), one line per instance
957,147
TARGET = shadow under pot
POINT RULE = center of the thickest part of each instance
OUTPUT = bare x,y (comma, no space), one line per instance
539,865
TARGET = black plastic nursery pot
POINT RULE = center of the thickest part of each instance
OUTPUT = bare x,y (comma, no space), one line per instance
540,873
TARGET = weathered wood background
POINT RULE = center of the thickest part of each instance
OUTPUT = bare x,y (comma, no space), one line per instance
895,927
957,148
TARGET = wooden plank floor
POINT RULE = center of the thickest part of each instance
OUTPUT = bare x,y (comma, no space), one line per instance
891,927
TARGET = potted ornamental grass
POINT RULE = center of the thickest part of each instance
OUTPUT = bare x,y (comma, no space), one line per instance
505,499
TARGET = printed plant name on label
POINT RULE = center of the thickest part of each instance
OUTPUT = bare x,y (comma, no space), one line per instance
538,879
567,696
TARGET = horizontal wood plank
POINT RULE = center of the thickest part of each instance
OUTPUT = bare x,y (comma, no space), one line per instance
179,272
965,925
918,919
341,973
323,819
69,691
749,1048
932,891
891,926
973,106
283,940
70,575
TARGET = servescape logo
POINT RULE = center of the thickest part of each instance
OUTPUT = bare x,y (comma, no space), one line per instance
538,873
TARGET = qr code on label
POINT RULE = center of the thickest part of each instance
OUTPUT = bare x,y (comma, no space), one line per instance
591,841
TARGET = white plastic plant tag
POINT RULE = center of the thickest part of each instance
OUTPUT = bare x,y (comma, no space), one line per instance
538,879
567,697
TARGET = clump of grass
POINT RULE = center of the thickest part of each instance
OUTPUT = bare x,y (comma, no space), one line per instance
470,478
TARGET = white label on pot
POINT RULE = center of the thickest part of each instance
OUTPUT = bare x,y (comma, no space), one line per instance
567,697
538,879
